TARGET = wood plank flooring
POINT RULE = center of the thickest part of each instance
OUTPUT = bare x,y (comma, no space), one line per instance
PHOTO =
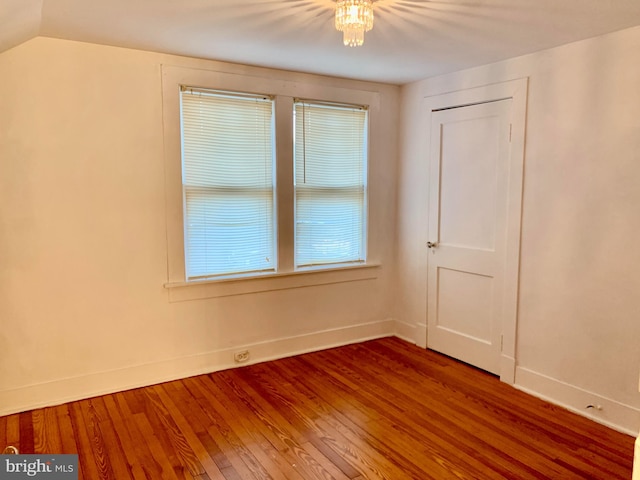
382,409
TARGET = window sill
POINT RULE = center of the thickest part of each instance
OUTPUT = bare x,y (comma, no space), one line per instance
267,282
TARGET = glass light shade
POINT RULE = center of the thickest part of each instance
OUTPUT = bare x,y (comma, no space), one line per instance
353,18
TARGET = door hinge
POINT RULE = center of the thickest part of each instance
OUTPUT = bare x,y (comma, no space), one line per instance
501,342
510,131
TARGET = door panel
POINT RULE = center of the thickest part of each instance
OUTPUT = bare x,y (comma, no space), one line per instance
467,224
467,205
477,290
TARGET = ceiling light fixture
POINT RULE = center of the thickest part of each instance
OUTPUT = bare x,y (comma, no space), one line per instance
353,18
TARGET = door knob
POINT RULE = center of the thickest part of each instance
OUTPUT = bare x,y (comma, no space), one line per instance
432,244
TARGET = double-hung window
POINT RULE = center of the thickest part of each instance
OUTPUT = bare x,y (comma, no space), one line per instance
330,183
228,182
245,213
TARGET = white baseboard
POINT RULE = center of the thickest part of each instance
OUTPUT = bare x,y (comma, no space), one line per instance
406,331
102,383
611,413
421,335
614,414
507,369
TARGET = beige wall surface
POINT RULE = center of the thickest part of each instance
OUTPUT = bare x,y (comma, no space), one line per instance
579,303
83,238
83,249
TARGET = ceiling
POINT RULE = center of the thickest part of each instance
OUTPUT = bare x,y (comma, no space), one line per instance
411,39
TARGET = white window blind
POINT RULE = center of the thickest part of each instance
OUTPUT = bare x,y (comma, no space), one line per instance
228,182
330,183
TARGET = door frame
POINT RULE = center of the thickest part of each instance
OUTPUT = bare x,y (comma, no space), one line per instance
516,90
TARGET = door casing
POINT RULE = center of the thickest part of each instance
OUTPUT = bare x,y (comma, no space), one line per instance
516,90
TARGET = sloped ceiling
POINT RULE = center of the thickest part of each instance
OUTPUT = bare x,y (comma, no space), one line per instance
19,21
411,39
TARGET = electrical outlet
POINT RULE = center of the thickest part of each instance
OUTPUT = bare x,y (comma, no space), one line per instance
241,356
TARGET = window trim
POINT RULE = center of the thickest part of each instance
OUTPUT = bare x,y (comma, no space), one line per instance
268,282
284,91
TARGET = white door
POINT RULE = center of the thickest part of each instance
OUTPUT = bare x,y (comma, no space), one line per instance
469,176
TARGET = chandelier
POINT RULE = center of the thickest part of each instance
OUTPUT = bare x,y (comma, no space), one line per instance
353,18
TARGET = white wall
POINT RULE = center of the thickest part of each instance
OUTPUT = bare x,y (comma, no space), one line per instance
579,299
83,251
83,254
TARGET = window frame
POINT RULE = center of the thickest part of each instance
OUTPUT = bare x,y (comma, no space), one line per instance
284,92
242,191
364,185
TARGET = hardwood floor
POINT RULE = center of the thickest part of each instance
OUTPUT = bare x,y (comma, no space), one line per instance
383,409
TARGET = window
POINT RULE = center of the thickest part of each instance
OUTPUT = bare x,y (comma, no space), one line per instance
330,183
258,199
228,182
